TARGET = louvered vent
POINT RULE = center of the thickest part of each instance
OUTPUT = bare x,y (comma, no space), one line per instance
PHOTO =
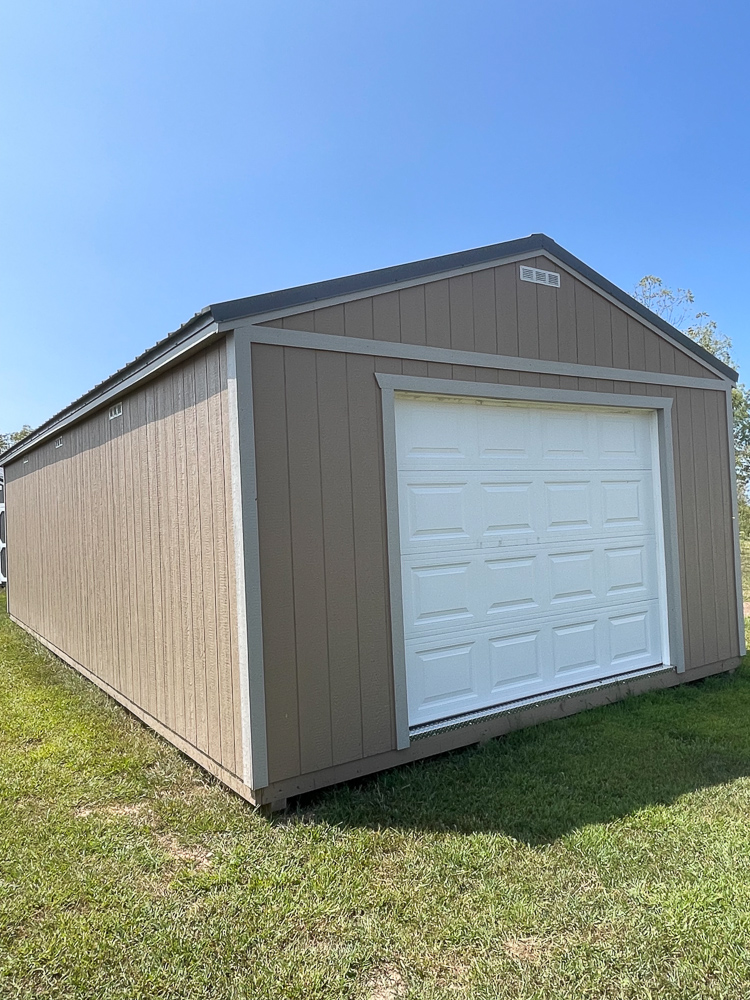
540,277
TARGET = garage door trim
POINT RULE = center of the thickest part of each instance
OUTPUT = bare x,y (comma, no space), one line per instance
392,384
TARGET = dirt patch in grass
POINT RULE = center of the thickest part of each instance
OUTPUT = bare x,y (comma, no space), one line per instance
527,949
115,810
198,856
386,983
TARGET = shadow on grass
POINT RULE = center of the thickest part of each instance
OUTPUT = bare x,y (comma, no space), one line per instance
540,783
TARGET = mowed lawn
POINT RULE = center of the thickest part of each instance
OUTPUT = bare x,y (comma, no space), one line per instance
607,855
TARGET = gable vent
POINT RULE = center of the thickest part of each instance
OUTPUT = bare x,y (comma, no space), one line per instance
540,277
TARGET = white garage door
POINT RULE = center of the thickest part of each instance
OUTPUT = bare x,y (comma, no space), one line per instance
530,549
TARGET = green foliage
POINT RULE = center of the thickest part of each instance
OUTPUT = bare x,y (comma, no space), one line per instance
673,306
6,440
600,857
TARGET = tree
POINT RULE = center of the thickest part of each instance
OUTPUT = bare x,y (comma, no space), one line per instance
6,440
674,306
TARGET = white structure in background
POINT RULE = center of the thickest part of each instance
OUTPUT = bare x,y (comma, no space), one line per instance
3,560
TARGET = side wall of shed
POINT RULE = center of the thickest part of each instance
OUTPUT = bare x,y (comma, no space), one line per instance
321,512
121,555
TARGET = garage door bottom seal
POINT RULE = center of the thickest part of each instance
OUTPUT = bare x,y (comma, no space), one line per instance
510,708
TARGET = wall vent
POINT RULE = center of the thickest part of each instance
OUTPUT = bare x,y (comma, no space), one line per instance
115,411
58,443
540,277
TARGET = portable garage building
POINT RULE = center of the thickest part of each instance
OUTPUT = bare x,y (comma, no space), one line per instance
320,532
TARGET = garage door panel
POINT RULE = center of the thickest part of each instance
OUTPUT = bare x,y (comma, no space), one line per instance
507,510
529,550
510,585
486,434
495,665
505,435
468,588
572,577
445,679
516,663
565,438
568,507
625,505
440,595
471,509
634,638
437,433
438,512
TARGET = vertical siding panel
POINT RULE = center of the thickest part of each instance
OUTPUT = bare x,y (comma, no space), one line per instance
233,665
691,579
461,322
585,334
620,346
368,496
132,555
528,318
724,450
358,321
704,515
666,357
181,576
485,315
103,597
506,310
651,351
119,567
719,516
682,364
437,308
205,486
461,313
436,369
274,520
157,635
340,559
174,603
412,315
308,560
302,321
166,661
143,514
330,320
197,625
221,565
636,345
386,318
566,320
547,317
603,340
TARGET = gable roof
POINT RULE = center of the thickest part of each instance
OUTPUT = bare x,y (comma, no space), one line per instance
316,293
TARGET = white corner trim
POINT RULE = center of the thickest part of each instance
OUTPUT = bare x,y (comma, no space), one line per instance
247,562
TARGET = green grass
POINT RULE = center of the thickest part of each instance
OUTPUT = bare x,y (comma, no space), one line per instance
603,856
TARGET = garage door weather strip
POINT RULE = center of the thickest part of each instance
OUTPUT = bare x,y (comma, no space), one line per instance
510,708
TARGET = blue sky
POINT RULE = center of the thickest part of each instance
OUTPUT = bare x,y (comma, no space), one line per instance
160,156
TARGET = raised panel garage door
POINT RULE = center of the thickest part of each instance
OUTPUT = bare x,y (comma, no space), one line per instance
530,549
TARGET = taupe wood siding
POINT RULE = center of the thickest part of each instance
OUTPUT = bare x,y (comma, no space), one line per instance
122,553
492,311
321,499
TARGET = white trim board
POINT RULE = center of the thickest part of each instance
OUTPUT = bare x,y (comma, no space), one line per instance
443,355
247,559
